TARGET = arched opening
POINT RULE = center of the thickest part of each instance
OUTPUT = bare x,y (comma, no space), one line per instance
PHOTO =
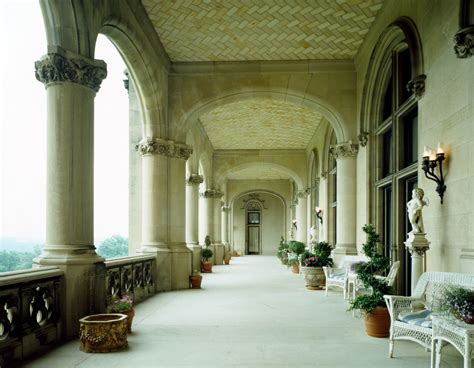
111,166
23,136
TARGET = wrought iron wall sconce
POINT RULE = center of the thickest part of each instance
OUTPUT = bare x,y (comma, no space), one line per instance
319,214
431,160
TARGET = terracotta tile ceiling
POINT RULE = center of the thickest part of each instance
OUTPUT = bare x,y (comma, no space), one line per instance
237,30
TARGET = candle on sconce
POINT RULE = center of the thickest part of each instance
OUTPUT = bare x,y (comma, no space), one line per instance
439,150
432,155
426,151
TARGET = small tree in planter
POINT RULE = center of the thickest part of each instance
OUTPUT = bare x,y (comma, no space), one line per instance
377,319
312,264
206,254
296,249
283,250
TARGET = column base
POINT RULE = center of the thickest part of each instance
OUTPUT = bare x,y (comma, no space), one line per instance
196,256
342,250
162,271
82,289
219,250
181,263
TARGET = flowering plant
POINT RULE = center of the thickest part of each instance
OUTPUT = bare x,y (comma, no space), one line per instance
120,305
459,302
320,257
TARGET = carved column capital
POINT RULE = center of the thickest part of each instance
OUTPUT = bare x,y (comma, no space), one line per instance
64,66
344,150
225,208
302,193
156,146
316,182
417,86
363,139
212,193
324,175
194,179
464,42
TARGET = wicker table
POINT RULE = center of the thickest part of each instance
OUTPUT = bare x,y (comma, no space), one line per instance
457,333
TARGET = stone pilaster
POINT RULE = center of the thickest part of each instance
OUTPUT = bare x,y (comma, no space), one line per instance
181,256
301,216
71,82
192,217
345,155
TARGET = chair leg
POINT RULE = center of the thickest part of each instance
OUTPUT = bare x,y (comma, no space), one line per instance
327,287
390,348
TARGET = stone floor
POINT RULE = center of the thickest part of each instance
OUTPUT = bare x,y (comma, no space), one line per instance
253,313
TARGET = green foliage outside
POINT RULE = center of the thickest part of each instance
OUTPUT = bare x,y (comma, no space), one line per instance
113,247
11,260
366,272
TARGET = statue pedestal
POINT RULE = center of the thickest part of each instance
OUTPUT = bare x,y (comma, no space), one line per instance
417,245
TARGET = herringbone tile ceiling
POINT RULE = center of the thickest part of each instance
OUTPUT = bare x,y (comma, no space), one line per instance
237,30
260,123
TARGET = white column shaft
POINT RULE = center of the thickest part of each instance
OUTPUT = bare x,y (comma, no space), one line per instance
301,218
192,214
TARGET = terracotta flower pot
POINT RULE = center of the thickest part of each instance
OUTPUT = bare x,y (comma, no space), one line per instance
130,314
377,323
314,277
103,333
195,281
206,267
227,258
295,267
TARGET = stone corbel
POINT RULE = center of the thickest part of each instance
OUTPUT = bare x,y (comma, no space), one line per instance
344,150
156,146
302,193
64,66
212,193
324,175
464,42
363,139
194,179
417,86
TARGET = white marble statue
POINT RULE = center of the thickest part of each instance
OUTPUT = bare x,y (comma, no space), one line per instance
414,209
313,232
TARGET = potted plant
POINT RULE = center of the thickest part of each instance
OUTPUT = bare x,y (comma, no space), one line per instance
296,249
373,307
195,280
283,250
227,256
124,305
312,264
206,255
459,302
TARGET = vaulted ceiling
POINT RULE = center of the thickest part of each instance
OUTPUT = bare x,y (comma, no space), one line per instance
260,123
238,30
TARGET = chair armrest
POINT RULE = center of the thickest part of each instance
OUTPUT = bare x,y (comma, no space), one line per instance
329,271
397,304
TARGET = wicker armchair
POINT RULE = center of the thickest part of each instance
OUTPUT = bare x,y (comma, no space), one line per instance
338,276
429,285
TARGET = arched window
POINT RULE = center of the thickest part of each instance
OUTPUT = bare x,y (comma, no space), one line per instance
332,194
23,135
111,156
393,86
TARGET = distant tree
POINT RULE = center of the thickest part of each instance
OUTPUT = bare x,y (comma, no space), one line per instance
115,246
11,260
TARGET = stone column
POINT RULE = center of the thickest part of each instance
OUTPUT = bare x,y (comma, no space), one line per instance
208,217
301,216
181,256
155,210
71,83
345,155
192,217
417,245
225,227
218,246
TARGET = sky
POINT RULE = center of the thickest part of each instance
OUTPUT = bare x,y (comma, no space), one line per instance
23,131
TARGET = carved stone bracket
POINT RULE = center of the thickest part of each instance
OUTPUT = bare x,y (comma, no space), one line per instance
63,66
344,150
316,183
417,86
363,139
156,146
225,208
464,42
302,193
324,175
194,179
212,193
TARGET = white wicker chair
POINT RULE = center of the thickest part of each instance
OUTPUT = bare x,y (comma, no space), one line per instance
338,276
390,278
429,285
